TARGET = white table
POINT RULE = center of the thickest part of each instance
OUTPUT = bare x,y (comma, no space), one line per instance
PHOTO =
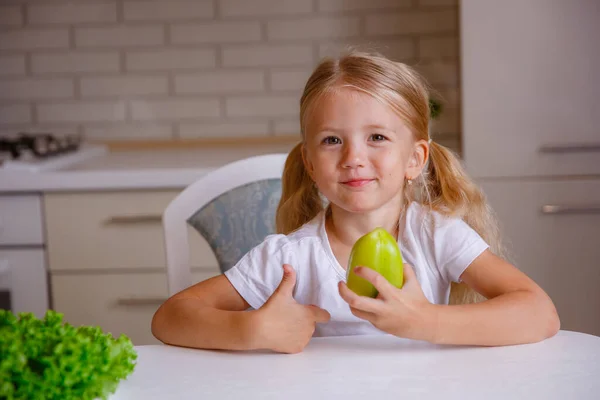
566,366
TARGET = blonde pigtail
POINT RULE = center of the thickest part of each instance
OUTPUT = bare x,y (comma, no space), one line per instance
300,201
451,192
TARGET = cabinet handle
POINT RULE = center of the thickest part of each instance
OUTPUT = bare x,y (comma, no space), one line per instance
582,209
134,219
141,301
571,148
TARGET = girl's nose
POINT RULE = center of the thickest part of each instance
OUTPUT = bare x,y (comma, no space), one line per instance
353,156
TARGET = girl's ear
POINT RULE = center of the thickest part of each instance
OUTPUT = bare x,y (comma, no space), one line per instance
418,159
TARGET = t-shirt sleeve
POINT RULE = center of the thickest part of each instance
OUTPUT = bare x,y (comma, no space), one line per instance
456,245
258,273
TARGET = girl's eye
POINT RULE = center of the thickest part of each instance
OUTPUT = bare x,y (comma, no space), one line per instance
331,140
376,137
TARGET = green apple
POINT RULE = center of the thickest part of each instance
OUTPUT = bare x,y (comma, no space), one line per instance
379,251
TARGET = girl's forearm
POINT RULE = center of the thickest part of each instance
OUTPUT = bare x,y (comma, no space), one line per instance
512,318
189,323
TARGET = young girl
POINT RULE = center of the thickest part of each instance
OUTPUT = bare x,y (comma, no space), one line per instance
366,161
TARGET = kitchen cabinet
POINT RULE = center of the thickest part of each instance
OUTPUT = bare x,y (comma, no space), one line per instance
531,89
23,272
93,231
107,261
555,239
119,302
23,280
531,100
21,220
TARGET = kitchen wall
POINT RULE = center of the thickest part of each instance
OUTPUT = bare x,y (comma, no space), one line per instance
174,69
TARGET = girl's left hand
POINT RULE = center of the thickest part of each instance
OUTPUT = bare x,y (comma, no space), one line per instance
402,312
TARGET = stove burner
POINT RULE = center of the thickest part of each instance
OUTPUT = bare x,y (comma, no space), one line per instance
41,145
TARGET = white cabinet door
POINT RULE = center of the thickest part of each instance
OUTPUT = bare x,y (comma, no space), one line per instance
113,230
117,303
21,220
554,232
531,87
23,274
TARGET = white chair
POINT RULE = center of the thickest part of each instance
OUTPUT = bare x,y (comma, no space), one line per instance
232,207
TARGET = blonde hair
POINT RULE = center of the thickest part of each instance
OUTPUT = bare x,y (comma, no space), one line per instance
443,186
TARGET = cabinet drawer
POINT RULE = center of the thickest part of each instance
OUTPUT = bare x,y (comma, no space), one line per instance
120,230
553,232
104,300
521,154
21,220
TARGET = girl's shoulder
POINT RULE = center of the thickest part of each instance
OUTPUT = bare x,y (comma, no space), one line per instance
311,229
423,221
308,234
447,241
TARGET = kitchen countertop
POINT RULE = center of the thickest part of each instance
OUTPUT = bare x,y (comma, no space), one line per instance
137,169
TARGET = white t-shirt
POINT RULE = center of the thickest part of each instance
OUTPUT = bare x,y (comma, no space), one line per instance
439,248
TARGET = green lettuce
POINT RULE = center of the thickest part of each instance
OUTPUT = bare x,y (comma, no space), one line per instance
48,359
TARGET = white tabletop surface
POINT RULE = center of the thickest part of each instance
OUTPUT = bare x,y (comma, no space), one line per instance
566,366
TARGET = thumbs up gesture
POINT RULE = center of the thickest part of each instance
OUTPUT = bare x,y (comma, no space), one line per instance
287,325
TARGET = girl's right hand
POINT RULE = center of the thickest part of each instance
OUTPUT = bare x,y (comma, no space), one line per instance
286,325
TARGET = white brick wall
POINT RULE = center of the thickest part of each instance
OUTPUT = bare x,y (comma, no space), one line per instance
158,10
123,86
266,106
434,3
120,36
179,69
34,89
226,129
438,47
128,131
255,8
268,55
74,62
72,13
10,16
15,114
12,65
353,5
220,32
412,22
287,127
221,82
440,73
34,39
314,28
165,110
293,79
100,111
170,59
401,49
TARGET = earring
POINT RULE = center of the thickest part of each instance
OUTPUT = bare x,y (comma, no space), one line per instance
409,182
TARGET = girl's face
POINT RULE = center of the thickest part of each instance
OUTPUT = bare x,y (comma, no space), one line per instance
359,152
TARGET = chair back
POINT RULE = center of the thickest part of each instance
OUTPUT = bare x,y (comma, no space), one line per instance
232,207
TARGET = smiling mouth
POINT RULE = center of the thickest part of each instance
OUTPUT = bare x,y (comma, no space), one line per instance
357,182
